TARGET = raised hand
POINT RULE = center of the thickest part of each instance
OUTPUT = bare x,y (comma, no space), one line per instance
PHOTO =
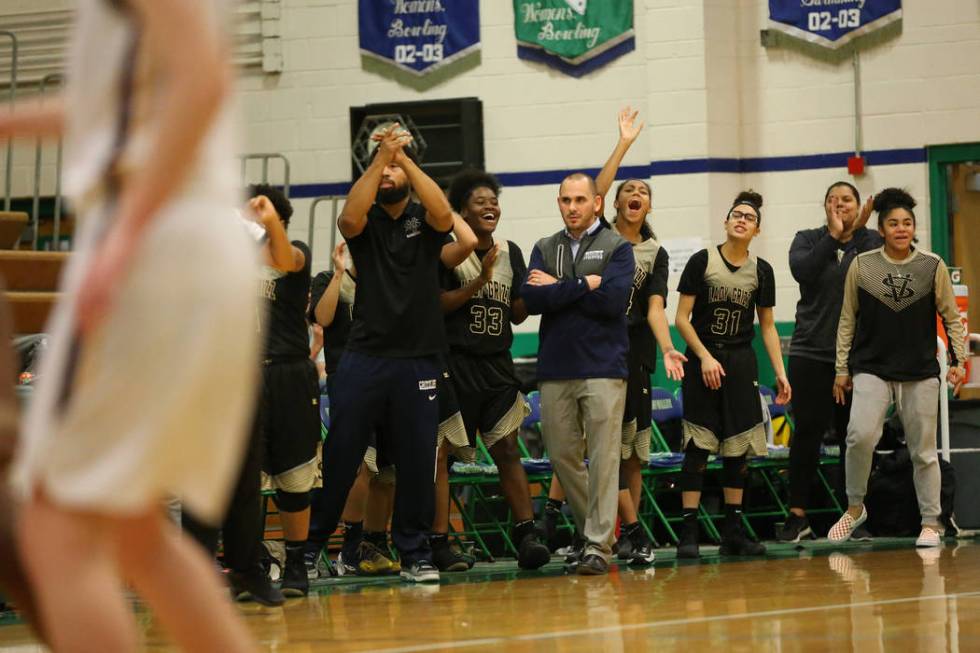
339,264
391,141
865,213
486,273
629,128
835,223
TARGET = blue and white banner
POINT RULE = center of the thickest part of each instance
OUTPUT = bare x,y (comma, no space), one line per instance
832,23
419,36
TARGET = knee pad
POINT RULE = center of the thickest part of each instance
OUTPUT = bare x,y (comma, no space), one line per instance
692,471
292,501
734,472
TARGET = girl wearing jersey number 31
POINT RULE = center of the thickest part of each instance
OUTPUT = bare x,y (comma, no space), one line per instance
720,289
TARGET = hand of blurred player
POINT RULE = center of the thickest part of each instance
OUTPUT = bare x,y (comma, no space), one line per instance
784,391
486,273
103,278
842,386
712,372
339,264
674,364
594,281
540,278
629,128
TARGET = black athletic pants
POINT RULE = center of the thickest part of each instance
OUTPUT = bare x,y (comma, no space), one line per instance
243,527
814,411
397,398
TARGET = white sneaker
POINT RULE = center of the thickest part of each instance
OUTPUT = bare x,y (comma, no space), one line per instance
846,525
928,537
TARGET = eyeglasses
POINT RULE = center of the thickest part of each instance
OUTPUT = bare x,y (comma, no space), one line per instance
751,218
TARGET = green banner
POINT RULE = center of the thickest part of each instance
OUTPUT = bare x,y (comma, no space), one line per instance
574,36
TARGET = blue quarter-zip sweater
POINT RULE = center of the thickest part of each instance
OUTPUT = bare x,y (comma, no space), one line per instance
583,332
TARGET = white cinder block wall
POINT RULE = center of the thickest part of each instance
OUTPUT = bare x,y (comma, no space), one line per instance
710,93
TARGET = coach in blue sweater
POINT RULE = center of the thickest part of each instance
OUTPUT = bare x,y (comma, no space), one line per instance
579,281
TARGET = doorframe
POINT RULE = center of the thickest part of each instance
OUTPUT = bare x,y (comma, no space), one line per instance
939,156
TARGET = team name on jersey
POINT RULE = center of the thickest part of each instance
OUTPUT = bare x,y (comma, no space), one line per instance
722,294
494,290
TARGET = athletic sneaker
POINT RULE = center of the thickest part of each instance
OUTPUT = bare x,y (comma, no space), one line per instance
736,543
532,553
794,529
294,579
318,565
687,543
641,549
420,571
372,561
256,587
928,538
624,548
592,565
446,558
845,526
576,552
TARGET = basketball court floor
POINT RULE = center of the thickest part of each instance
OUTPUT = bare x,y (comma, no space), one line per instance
865,598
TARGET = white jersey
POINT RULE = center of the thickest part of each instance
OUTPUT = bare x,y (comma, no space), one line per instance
155,401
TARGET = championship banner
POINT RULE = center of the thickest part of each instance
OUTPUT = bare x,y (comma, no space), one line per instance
574,36
832,23
419,36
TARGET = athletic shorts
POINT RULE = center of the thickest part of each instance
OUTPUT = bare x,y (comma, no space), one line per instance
288,417
727,421
637,411
490,398
451,427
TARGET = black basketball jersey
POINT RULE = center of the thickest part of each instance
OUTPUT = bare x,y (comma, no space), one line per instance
397,311
287,294
336,335
482,325
726,296
649,278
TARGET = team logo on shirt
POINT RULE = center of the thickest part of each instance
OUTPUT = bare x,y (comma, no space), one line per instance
593,255
899,287
413,227
428,384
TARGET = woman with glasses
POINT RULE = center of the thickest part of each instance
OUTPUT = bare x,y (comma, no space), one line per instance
721,288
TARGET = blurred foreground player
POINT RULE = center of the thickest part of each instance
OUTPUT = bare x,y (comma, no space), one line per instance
146,389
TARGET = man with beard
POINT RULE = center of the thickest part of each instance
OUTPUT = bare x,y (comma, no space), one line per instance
389,373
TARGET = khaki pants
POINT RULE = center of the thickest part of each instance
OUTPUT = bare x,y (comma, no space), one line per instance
595,405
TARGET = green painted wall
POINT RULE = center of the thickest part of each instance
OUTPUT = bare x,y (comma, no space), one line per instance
526,344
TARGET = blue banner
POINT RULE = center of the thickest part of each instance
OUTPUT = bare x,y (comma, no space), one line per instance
832,23
419,36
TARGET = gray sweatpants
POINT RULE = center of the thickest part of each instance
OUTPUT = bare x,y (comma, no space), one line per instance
917,404
597,406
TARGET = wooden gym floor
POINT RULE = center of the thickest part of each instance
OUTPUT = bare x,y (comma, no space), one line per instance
863,598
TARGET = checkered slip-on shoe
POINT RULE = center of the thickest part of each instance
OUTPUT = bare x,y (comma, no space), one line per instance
845,526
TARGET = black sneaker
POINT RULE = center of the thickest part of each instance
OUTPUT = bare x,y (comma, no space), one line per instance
794,529
736,543
295,582
592,565
575,555
254,586
861,534
532,553
445,558
641,549
624,548
420,571
687,543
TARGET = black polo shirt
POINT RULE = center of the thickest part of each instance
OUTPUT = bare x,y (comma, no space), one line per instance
397,312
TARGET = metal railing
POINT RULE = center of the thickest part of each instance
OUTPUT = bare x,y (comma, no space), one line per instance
265,159
335,205
58,79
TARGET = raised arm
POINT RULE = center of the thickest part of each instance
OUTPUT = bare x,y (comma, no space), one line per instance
453,300
438,213
282,254
455,252
326,306
629,129
360,199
